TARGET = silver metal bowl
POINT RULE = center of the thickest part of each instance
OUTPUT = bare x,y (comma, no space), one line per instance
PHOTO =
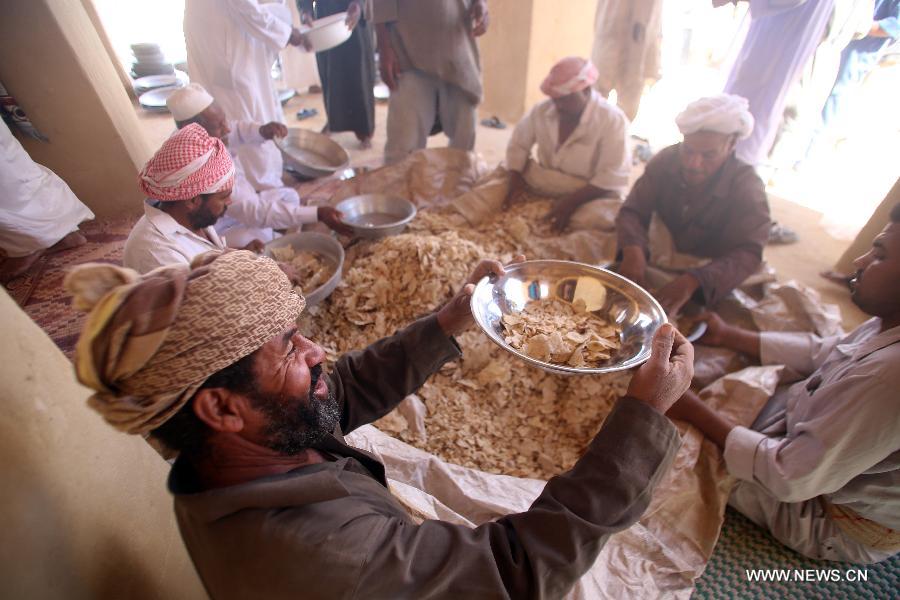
605,293
325,246
312,154
377,215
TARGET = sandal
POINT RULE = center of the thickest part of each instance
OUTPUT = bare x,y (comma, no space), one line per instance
306,113
494,123
779,234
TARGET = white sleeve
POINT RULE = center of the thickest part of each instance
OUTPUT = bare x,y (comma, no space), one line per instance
259,23
277,208
146,258
244,132
520,143
613,166
825,449
803,352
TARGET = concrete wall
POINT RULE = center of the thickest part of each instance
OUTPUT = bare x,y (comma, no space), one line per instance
524,40
53,61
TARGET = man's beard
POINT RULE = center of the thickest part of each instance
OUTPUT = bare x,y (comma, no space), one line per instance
203,217
295,425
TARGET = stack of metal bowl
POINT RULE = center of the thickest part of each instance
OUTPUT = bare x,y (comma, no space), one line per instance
375,216
607,295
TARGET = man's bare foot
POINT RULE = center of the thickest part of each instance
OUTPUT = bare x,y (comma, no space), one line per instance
364,142
325,129
838,278
10,268
72,240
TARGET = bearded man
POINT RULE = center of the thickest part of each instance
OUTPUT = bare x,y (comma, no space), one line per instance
271,501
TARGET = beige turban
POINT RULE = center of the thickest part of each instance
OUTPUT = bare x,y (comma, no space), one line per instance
724,113
188,102
151,341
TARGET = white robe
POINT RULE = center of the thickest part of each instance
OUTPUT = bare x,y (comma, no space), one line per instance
37,208
253,215
231,46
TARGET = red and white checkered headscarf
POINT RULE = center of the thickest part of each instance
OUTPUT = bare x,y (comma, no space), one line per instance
188,164
571,74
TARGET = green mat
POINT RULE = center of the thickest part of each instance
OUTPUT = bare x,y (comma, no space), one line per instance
742,546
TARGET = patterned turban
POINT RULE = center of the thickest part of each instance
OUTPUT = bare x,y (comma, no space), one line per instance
724,113
151,341
571,74
189,163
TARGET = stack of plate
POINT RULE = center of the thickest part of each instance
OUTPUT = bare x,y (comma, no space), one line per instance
153,82
149,60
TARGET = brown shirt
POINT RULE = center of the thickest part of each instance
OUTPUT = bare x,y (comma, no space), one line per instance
434,36
726,220
333,530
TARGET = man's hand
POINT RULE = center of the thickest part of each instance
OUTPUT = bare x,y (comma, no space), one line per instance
291,273
478,13
716,330
354,12
388,65
517,190
334,219
675,294
456,316
633,265
299,39
561,212
273,130
667,375
255,246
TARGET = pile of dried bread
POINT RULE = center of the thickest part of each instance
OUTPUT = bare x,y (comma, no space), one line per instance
489,410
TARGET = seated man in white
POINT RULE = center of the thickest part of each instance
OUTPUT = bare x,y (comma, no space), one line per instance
582,150
820,466
188,184
253,215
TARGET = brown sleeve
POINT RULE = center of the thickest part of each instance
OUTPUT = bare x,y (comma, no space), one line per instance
748,231
369,383
633,220
542,552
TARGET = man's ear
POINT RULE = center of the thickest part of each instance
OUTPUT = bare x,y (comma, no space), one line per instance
194,203
221,409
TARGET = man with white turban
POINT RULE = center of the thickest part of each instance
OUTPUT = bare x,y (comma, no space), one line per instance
231,47
188,184
579,135
273,503
713,205
252,215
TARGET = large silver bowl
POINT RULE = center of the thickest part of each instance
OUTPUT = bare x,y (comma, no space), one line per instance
312,154
325,246
606,294
377,215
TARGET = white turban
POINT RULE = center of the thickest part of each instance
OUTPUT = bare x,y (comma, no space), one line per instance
188,102
724,113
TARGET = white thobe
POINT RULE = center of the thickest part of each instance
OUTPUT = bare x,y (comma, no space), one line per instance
157,240
253,215
231,46
37,208
836,439
596,152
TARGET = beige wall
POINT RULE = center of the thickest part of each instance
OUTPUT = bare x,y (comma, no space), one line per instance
504,59
84,510
558,29
53,62
525,39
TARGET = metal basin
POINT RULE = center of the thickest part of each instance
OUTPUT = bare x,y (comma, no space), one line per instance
325,246
605,293
377,215
312,154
